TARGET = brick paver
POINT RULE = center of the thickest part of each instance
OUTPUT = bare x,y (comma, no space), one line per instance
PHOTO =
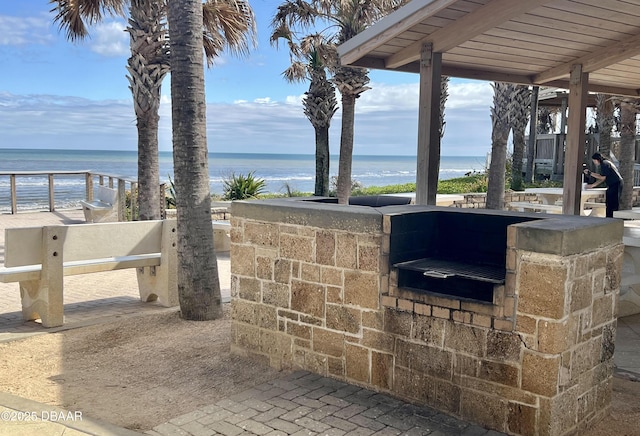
302,403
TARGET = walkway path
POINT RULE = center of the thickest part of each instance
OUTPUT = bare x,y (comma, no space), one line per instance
298,403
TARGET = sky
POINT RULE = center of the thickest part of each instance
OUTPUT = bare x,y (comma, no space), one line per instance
56,94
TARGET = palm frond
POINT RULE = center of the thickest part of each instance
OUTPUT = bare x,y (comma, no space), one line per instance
297,72
294,13
73,16
229,24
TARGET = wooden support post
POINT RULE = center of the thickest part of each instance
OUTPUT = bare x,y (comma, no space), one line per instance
14,201
574,155
428,167
52,201
88,186
531,146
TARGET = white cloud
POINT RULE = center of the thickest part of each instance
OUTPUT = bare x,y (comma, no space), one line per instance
110,39
20,31
294,99
385,124
469,94
383,97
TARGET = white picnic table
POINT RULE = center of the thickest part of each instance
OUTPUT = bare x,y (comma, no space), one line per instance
553,195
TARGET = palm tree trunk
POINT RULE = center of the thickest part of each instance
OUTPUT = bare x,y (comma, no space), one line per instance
605,121
499,136
519,115
198,282
346,148
322,161
518,156
148,167
627,151
147,66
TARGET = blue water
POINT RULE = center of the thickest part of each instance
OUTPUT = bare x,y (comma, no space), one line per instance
278,170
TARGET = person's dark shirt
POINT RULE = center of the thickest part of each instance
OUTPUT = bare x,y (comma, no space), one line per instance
609,170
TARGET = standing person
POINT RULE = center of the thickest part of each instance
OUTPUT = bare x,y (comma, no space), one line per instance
609,174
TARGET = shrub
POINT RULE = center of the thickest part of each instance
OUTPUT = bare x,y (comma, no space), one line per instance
241,187
471,182
356,187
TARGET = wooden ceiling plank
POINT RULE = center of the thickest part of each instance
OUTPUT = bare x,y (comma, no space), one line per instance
630,7
498,59
577,46
470,25
554,30
511,50
617,12
593,26
595,60
567,53
391,26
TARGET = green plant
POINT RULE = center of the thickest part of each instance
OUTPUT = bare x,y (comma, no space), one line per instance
129,195
241,187
388,189
472,182
292,192
170,194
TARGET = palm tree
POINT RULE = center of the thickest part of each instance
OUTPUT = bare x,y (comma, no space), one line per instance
148,65
499,134
444,95
518,118
604,122
545,122
308,62
347,19
228,24
198,282
628,113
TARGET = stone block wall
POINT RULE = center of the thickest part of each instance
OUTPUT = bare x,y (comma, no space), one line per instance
310,290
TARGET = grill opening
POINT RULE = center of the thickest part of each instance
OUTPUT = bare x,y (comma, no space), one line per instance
450,278
451,253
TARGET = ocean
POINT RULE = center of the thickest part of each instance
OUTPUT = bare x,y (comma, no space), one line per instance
278,170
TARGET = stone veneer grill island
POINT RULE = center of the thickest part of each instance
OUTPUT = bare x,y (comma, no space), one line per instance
314,287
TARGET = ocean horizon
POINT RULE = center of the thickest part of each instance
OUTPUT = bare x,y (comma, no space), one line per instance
281,172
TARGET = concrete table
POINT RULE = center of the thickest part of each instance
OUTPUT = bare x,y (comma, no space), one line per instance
553,195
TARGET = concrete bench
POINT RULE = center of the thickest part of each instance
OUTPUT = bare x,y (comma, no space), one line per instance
595,209
39,258
523,206
104,207
221,232
221,235
633,214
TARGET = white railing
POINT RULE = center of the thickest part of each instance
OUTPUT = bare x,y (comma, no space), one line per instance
121,183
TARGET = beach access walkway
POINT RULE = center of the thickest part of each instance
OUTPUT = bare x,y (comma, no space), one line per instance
331,407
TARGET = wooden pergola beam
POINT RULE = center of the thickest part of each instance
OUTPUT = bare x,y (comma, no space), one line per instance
389,27
473,24
493,76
